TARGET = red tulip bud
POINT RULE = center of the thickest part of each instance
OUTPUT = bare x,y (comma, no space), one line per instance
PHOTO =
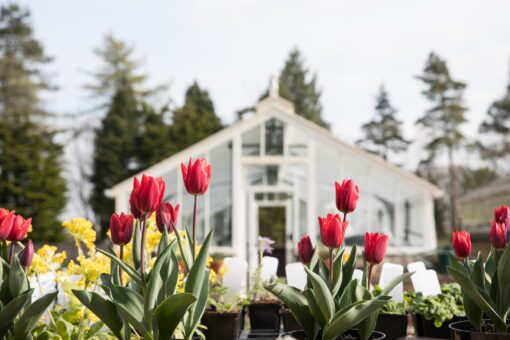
347,196
166,216
375,247
502,216
305,249
19,228
27,255
146,196
498,235
196,176
461,243
121,228
332,230
6,220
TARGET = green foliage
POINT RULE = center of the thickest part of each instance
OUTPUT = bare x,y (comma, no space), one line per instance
329,312
392,306
195,120
384,132
441,307
298,86
31,179
473,179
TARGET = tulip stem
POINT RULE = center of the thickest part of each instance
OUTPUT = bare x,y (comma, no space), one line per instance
345,216
11,252
121,255
331,270
369,278
142,247
194,229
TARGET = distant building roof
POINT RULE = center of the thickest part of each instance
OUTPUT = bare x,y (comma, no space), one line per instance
497,187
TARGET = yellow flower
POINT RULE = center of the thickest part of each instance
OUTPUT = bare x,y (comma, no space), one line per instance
46,258
153,237
90,267
223,270
209,262
212,276
81,230
180,283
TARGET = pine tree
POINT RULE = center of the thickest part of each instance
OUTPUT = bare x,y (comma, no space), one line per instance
195,120
497,127
383,133
298,86
31,179
443,120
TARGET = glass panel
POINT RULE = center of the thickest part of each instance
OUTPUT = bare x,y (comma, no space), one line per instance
296,142
171,179
274,137
251,142
220,194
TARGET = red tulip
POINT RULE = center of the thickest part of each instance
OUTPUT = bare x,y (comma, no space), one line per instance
347,196
166,216
375,247
498,235
121,228
461,243
305,249
502,216
147,195
332,230
19,228
196,176
6,220
27,255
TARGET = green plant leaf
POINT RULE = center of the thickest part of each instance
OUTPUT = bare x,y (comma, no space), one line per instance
17,279
197,272
393,283
345,320
298,304
163,242
130,305
504,270
323,295
470,289
337,272
104,310
11,310
348,294
28,320
348,269
170,312
185,254
137,236
125,267
199,307
314,307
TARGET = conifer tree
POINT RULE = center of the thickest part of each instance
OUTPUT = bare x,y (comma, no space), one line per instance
195,120
300,87
383,134
31,179
497,128
443,121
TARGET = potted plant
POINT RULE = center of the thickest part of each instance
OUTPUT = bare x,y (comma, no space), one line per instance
433,314
393,318
485,283
223,317
264,309
333,304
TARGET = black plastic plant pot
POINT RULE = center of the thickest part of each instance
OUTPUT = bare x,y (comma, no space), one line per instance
393,325
426,328
264,315
349,335
463,330
289,321
222,325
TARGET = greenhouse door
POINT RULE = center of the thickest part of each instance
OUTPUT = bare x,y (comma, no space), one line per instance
272,224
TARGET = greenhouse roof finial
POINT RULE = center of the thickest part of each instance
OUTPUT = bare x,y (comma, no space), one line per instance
274,89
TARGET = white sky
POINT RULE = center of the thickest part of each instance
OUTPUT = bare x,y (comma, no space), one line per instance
233,46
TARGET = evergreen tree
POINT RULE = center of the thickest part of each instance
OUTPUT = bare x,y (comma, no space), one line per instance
383,133
298,86
497,127
30,171
120,148
443,120
195,120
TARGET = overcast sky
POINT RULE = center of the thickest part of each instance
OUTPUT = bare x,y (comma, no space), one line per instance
233,46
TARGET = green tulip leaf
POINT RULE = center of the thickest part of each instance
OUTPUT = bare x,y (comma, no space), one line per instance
314,307
125,267
130,305
323,295
17,279
137,237
31,315
504,270
348,269
184,250
163,242
11,310
197,272
104,310
298,304
170,312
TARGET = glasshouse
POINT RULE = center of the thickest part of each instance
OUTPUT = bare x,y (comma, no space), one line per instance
273,175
